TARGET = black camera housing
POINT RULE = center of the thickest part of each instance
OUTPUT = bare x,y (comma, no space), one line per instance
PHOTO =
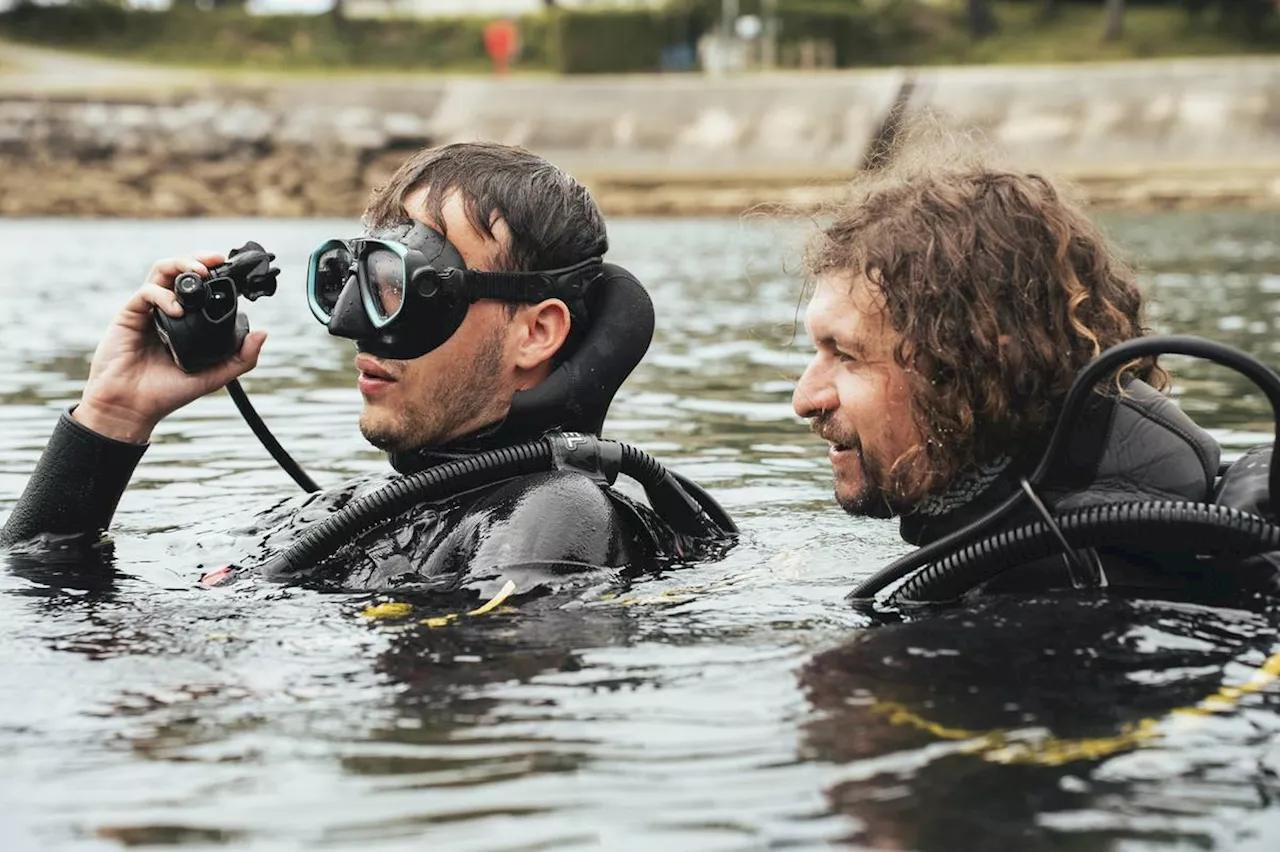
211,328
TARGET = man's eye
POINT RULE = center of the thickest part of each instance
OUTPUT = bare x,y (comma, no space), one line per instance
845,357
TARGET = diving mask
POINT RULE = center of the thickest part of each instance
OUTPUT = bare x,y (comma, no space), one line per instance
401,292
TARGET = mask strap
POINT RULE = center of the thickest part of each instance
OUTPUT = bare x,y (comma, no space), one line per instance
568,283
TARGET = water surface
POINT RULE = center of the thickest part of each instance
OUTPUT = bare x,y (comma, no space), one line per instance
737,705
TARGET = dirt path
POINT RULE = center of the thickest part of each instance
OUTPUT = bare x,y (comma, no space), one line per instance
41,71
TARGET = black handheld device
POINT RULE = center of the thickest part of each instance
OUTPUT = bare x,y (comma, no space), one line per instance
211,329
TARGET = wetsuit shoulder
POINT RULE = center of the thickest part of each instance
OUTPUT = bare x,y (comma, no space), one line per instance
1147,449
541,527
76,485
1139,447
551,516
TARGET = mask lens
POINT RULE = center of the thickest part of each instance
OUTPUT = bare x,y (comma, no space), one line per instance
332,267
384,273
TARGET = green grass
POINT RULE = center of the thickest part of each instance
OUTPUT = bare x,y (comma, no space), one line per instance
933,33
1075,35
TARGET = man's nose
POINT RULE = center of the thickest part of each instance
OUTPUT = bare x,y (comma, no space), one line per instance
815,392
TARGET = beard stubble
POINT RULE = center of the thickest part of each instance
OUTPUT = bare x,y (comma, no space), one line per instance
457,401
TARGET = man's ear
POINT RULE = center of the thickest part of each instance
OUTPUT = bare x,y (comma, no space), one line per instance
542,330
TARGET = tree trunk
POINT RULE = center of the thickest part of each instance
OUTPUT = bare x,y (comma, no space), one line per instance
1048,10
1115,20
982,21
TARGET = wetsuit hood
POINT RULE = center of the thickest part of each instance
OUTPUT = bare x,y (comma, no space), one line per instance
577,394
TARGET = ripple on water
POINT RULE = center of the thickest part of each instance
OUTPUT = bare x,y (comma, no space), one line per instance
738,705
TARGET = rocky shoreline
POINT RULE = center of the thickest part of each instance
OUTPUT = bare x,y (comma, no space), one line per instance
1158,189
1132,136
286,185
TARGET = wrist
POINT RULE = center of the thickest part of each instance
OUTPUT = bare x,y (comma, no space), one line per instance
113,421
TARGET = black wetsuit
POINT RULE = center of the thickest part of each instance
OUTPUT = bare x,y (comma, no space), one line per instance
533,529
1136,446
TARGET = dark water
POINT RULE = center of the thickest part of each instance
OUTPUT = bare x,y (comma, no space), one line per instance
738,705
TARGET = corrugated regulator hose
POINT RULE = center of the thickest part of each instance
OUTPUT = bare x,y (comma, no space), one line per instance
679,501
686,508
361,515
1161,527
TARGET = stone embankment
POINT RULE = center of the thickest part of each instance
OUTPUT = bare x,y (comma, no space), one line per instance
1167,134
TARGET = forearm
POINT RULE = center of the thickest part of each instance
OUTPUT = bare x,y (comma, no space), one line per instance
76,484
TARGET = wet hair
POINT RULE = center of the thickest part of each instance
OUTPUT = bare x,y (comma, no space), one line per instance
1001,291
552,219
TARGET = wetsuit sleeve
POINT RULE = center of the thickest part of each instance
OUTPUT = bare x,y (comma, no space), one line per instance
76,485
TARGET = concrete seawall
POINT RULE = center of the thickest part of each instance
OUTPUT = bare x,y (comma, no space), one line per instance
1187,133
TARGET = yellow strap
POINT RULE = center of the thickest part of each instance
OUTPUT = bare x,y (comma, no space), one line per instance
391,609
396,609
1006,746
505,592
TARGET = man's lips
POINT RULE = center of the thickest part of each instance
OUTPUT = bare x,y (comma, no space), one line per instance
371,369
837,445
840,452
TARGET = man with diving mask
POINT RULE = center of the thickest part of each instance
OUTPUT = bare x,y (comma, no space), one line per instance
425,319
483,316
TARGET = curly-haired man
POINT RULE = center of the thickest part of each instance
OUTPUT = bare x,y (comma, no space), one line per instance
954,306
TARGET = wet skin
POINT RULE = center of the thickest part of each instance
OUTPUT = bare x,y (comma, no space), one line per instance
854,394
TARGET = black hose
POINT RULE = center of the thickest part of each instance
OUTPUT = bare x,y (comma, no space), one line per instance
693,513
360,516
678,507
268,440
725,525
1100,368
1161,527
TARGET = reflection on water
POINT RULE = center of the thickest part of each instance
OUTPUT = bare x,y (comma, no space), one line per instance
1217,277
738,705
1107,720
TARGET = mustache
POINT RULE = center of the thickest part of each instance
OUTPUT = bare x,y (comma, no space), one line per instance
824,428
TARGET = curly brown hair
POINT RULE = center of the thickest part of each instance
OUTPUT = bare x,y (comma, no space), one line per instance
1001,290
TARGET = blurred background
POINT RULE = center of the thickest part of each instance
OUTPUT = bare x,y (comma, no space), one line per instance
298,107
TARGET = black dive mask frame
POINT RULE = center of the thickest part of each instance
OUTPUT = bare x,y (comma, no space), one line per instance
434,290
